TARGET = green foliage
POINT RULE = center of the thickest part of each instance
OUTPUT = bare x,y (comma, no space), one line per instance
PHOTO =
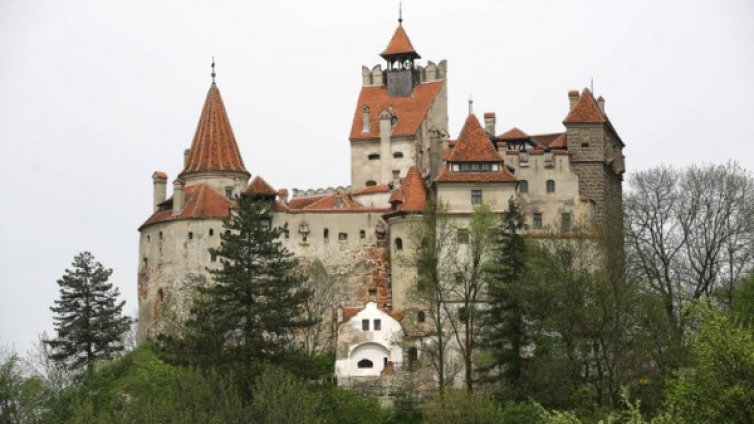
22,399
457,406
523,413
505,334
743,299
280,398
252,311
87,318
718,385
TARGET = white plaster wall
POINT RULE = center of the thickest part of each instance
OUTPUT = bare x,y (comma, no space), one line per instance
372,345
457,196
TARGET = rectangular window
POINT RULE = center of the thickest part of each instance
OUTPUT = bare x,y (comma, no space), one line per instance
537,221
550,186
365,325
213,257
211,232
476,197
342,236
229,192
463,235
377,325
362,234
565,222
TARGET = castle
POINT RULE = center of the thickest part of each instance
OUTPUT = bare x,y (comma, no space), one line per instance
401,153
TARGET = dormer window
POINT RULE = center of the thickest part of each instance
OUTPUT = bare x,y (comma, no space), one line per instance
476,167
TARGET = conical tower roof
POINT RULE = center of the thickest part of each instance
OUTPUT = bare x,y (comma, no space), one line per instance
585,110
399,45
214,148
474,144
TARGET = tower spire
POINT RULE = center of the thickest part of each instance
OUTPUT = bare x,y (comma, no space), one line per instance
400,13
213,70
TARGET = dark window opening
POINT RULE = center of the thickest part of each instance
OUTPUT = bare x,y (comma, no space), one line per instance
212,257
373,156
160,295
227,233
523,186
397,155
463,235
585,145
475,166
229,192
372,292
463,314
326,234
304,237
160,235
148,239
537,221
365,325
365,363
565,222
371,183
190,235
362,234
476,197
286,233
550,186
342,236
377,325
398,244
421,316
211,232
413,356
145,263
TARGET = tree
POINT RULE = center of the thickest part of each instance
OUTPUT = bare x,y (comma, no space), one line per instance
254,308
504,327
690,232
718,386
87,318
466,260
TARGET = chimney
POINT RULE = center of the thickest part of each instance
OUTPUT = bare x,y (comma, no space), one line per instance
365,118
489,123
601,104
178,196
573,97
159,188
366,76
186,154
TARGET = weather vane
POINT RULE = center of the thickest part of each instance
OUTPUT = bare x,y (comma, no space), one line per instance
400,13
213,70
471,104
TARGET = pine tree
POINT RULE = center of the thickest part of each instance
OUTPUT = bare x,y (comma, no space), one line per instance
504,332
254,309
87,318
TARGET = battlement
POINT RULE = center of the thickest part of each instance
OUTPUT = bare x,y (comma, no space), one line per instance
319,191
430,72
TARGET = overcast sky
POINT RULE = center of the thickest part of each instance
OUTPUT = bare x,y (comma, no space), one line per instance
95,96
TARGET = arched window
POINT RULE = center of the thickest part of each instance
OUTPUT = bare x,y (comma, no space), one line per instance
371,183
523,186
373,156
550,186
398,244
397,155
365,363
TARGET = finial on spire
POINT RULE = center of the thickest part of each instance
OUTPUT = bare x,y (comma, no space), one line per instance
400,13
213,70
471,105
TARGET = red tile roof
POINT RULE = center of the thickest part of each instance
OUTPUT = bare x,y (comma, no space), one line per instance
399,44
302,202
412,192
585,110
201,202
513,133
410,110
560,142
502,176
546,139
473,144
214,147
259,186
379,188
